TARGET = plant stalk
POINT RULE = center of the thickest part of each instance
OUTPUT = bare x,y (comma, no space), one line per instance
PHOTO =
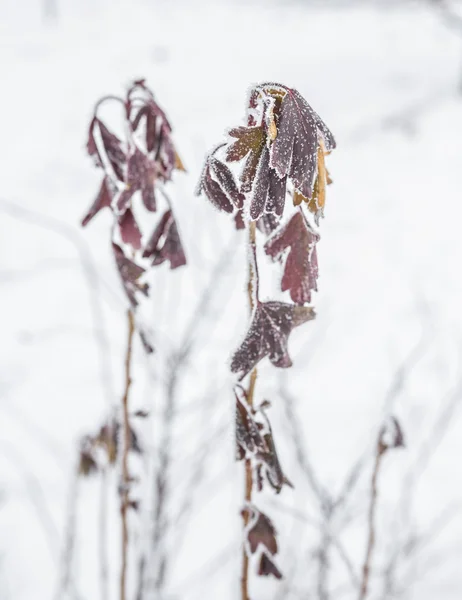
126,447
252,289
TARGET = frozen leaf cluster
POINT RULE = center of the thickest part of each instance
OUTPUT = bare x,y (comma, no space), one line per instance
135,169
284,141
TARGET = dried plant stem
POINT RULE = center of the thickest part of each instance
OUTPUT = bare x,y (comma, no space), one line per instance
126,446
253,298
381,449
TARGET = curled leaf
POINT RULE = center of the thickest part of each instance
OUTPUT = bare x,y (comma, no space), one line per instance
102,200
130,273
165,243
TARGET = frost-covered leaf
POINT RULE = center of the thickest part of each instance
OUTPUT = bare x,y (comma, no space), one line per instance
294,151
165,243
130,273
129,230
267,223
268,335
301,268
102,200
250,142
261,531
214,192
141,174
270,463
248,437
226,180
269,190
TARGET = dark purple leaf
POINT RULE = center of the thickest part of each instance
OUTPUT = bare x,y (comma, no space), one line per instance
102,200
294,151
268,335
165,243
113,147
213,191
301,268
267,223
267,567
226,180
239,220
248,438
262,532
140,176
129,272
269,191
129,230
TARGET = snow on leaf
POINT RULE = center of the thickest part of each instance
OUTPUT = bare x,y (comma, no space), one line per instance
102,200
268,335
129,272
301,268
269,190
165,243
129,230
226,180
261,531
214,192
294,151
248,438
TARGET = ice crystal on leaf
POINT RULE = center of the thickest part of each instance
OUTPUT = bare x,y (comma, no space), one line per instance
301,267
268,335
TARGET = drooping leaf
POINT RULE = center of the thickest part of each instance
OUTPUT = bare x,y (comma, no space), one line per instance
268,335
141,174
248,437
269,190
165,243
226,180
129,230
102,200
391,435
112,146
269,460
267,223
250,142
294,151
267,567
261,531
214,192
130,273
301,268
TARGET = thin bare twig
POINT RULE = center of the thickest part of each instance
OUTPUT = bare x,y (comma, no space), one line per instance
381,449
253,299
124,505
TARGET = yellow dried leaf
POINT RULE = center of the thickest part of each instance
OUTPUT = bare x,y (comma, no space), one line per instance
179,163
298,198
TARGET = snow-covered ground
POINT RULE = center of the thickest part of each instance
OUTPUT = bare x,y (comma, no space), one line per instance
388,336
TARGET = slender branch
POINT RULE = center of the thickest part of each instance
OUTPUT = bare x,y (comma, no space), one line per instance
381,449
252,289
103,514
126,447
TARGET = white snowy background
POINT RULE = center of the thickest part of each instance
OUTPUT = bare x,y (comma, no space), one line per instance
388,337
